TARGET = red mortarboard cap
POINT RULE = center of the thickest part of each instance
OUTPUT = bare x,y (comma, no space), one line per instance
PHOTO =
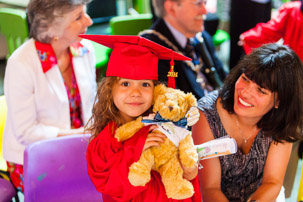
134,57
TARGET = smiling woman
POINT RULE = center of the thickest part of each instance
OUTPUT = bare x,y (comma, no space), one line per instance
260,106
55,70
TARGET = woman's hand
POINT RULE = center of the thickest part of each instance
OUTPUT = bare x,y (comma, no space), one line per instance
65,132
154,138
241,40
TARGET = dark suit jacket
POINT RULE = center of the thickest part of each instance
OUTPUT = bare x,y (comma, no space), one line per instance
186,80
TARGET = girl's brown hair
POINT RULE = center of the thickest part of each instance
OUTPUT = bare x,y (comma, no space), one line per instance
104,109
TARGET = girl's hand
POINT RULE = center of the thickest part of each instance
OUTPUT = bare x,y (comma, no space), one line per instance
150,116
154,138
190,173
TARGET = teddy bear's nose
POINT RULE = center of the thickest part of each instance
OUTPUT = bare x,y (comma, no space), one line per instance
170,108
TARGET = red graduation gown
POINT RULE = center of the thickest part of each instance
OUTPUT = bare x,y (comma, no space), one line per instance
108,164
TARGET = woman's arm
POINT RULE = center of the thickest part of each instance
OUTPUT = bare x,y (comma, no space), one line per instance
65,132
20,91
268,32
210,174
26,108
274,171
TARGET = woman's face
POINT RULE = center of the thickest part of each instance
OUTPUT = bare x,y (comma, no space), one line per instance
250,100
133,97
75,23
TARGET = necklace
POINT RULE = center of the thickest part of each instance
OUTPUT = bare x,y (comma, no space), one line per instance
65,70
65,64
64,61
244,138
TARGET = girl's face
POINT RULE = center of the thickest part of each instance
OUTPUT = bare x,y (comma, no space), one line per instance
133,97
251,100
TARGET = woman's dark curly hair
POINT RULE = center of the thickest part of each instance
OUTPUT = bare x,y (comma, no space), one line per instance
276,68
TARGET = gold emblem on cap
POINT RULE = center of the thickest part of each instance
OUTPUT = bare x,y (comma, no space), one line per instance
171,72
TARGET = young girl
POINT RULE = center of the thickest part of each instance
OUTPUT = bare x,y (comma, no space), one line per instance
125,94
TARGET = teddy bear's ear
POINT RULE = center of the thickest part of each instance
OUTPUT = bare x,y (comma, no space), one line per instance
159,90
191,99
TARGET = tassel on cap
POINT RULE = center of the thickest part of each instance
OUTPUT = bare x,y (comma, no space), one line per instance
172,74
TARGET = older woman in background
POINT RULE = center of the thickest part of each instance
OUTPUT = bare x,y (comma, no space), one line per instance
50,80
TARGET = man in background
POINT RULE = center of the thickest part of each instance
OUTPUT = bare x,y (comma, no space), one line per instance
180,27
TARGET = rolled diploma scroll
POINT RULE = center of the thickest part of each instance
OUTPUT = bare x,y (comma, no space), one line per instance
216,147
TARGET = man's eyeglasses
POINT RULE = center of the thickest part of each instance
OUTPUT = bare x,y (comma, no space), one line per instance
199,3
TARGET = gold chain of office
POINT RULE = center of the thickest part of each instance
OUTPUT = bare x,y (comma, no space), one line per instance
165,39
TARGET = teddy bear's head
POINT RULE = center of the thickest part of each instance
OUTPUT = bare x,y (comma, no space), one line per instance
172,104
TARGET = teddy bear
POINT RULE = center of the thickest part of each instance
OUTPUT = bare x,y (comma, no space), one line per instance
174,112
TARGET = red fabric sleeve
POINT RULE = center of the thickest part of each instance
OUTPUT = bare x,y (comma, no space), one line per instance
108,162
269,32
108,165
197,195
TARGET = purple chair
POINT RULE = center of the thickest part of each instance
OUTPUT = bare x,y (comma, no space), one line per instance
7,190
56,170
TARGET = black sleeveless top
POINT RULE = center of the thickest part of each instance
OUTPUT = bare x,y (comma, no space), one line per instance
241,174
